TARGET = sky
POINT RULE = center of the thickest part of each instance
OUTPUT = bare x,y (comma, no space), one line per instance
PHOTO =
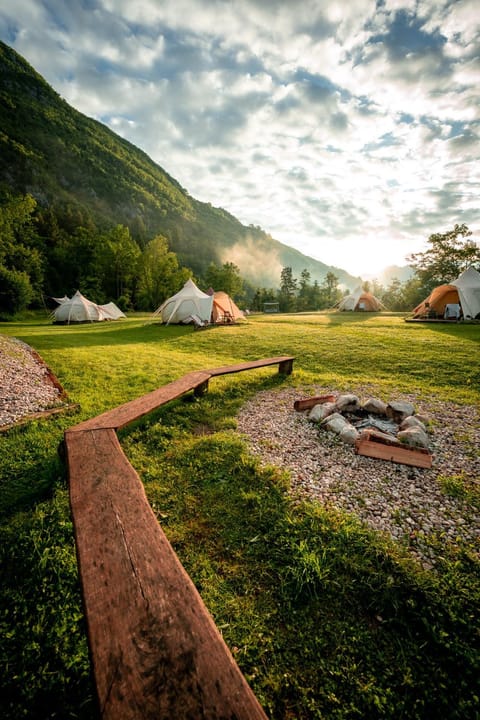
348,130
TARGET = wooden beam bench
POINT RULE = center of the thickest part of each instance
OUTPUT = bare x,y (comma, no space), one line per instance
156,652
284,362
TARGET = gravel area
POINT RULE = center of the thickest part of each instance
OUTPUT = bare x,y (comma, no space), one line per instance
27,386
404,501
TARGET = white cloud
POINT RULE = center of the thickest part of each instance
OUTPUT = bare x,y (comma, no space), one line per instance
346,132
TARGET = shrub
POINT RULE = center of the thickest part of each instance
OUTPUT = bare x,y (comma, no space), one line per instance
16,291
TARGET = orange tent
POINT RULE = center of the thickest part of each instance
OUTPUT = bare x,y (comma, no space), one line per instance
360,300
434,305
461,297
224,310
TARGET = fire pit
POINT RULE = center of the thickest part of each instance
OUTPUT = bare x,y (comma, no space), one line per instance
388,431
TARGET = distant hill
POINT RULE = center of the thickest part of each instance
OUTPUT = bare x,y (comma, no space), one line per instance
74,164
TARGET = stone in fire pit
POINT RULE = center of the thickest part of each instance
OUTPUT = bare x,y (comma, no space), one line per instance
373,423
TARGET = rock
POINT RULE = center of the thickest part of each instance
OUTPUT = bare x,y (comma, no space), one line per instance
412,421
349,434
321,411
335,423
398,410
375,406
347,403
413,437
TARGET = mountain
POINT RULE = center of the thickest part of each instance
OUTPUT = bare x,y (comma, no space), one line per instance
80,168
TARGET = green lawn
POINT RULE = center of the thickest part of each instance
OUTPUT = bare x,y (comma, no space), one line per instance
325,618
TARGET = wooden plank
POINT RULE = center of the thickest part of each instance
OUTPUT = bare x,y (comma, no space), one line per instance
155,649
284,361
130,411
307,403
393,451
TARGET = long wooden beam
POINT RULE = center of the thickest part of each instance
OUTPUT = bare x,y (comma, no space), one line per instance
156,651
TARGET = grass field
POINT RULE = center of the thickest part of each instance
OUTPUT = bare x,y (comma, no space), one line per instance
326,618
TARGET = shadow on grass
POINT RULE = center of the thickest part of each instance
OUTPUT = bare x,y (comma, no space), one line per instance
465,331
94,334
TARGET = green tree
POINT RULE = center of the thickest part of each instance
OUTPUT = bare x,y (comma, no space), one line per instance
227,278
160,275
412,294
288,290
393,295
304,299
330,291
16,291
262,296
19,242
119,255
81,259
316,296
448,254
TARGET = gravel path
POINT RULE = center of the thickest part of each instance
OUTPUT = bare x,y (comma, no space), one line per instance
404,501
26,384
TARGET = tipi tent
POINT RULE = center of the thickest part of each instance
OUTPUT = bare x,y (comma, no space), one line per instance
360,300
224,309
189,304
78,309
464,293
113,310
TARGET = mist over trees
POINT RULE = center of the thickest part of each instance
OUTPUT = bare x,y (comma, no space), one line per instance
47,252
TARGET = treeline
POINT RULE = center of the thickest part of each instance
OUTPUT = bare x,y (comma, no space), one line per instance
301,295
447,255
48,253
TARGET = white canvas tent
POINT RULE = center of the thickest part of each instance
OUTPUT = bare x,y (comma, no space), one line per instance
468,286
190,304
113,310
464,291
78,309
61,300
360,300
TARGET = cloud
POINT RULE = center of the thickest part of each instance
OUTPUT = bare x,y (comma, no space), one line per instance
333,126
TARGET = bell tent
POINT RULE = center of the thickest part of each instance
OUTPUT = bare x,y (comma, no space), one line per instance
360,301
224,309
459,298
190,304
78,309
113,310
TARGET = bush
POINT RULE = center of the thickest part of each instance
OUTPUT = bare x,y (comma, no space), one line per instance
16,291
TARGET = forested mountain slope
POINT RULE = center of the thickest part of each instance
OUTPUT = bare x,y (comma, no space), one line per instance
89,176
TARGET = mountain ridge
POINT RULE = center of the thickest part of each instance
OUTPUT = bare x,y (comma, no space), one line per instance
65,159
